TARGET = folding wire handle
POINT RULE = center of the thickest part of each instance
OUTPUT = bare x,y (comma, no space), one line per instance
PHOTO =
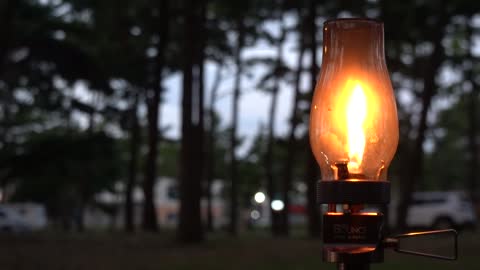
395,243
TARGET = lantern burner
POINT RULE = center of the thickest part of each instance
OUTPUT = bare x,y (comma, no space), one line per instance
343,173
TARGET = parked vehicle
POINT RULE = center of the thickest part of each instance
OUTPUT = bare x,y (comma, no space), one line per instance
20,217
439,210
10,221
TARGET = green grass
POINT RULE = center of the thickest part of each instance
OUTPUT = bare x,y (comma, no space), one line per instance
55,251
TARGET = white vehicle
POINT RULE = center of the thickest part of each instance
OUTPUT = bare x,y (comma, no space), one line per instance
438,209
10,221
19,217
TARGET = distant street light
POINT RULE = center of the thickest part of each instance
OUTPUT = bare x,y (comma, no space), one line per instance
277,205
259,197
255,215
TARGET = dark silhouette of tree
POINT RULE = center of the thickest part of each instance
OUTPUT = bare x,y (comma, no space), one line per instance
278,70
312,170
132,165
192,152
153,102
292,144
472,114
240,29
210,163
7,11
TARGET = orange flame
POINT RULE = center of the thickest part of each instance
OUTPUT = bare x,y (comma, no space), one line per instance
356,114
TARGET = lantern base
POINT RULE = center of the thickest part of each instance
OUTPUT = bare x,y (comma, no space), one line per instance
357,256
352,239
353,259
353,191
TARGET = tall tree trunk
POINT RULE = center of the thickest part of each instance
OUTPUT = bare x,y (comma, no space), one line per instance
269,157
210,153
150,222
472,141
472,118
292,141
7,13
417,154
85,184
311,175
233,228
190,224
7,16
132,166
269,173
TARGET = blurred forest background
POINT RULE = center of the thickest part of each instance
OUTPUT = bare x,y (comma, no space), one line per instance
87,89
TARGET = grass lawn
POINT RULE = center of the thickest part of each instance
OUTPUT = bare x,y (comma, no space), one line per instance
54,251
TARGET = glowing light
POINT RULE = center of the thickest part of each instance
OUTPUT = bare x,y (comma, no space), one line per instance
353,117
363,213
259,197
356,114
255,214
334,213
277,205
